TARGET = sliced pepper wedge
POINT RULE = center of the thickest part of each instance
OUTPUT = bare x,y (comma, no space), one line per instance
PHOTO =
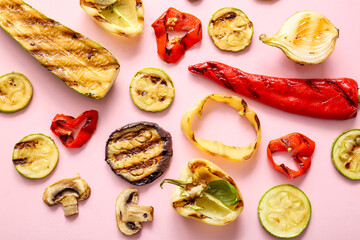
217,148
301,147
206,193
173,20
63,126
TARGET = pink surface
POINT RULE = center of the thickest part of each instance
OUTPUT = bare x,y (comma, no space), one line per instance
334,199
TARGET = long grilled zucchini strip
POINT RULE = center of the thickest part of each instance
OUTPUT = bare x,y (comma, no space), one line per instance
81,63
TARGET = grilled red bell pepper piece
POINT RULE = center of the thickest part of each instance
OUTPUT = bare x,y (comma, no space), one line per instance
173,20
321,98
63,126
301,147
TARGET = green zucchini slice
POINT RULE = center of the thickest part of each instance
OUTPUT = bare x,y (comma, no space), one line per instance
152,90
230,29
345,153
35,156
284,211
15,92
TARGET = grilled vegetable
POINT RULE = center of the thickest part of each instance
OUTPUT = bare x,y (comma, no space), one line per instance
206,193
15,92
139,152
152,90
217,148
130,215
68,192
35,156
284,211
121,17
345,153
63,126
173,20
230,29
307,37
335,98
301,147
81,63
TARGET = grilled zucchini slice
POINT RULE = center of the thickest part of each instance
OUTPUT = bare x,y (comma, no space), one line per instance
81,63
230,29
284,211
15,92
121,17
139,152
345,153
35,156
152,90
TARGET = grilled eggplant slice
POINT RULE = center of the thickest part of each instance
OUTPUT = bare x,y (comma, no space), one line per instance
81,63
230,29
139,152
35,156
121,17
152,90
15,92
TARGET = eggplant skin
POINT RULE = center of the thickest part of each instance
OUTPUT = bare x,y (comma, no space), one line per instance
131,163
80,62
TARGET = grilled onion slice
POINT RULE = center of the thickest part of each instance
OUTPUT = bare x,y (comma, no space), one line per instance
307,37
121,17
230,29
217,148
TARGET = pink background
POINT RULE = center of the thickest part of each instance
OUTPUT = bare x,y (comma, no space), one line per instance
334,199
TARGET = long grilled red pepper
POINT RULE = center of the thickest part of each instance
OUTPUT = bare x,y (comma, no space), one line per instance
63,126
301,147
321,98
173,20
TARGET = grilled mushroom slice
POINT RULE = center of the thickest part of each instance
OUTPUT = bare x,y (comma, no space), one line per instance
139,152
129,215
68,192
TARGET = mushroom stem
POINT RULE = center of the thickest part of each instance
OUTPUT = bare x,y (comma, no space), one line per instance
69,204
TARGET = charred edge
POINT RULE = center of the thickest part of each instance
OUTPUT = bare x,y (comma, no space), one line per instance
20,161
305,140
247,84
299,161
64,192
220,75
138,4
168,51
130,198
197,70
198,215
132,226
244,105
230,16
27,144
312,85
257,120
88,4
341,91
240,204
286,170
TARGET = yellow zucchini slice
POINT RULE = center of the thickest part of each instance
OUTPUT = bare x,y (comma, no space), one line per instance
81,63
152,90
15,92
121,17
230,29
35,156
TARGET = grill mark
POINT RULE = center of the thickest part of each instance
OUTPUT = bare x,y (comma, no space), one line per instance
141,165
304,140
65,191
220,75
284,168
21,161
312,85
27,144
299,161
285,142
341,91
138,4
247,84
265,81
100,18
